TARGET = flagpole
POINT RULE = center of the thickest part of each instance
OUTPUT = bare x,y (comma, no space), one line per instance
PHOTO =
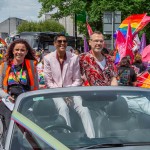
112,37
9,22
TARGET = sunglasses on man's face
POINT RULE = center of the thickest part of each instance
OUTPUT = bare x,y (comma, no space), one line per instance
61,41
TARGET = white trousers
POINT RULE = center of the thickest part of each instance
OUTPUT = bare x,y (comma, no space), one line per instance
83,112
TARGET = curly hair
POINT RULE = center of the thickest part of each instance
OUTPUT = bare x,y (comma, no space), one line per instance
9,55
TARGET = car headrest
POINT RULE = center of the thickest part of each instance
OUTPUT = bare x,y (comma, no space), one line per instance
118,109
44,108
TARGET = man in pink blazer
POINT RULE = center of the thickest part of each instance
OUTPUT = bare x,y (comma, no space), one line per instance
68,75
61,69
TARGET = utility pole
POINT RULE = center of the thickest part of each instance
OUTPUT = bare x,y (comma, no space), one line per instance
75,30
9,26
112,34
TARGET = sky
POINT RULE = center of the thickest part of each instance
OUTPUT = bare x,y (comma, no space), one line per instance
23,9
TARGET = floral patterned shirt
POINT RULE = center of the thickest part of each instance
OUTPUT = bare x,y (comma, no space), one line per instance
92,71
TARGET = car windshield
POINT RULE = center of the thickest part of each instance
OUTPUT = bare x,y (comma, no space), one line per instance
85,117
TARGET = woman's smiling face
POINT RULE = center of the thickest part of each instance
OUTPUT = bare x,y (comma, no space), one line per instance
20,52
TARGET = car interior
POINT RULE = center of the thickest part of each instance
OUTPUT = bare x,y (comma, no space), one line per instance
111,115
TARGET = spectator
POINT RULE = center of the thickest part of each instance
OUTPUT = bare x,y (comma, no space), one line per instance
126,74
140,67
76,51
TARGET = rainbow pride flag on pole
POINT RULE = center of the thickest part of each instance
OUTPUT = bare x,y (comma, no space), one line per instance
137,21
124,38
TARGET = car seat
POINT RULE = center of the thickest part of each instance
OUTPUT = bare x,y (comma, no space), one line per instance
45,114
118,121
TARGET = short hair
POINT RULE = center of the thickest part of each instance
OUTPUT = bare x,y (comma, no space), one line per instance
96,32
58,35
125,62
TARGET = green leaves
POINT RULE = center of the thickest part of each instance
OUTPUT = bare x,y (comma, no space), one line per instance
94,10
42,26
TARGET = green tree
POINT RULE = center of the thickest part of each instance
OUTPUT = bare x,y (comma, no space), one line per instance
42,26
95,10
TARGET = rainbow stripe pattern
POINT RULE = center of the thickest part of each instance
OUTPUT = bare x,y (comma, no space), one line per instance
12,78
136,22
2,42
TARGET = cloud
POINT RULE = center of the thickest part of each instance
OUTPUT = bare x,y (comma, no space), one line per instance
2,4
28,9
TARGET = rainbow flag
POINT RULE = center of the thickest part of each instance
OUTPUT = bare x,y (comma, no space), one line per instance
1,56
2,42
117,58
137,22
143,80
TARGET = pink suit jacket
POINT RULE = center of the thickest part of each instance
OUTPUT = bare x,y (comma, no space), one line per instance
70,75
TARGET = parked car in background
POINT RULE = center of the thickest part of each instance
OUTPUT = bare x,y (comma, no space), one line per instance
120,117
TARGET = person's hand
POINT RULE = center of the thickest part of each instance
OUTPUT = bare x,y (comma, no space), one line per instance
42,86
11,99
68,101
114,81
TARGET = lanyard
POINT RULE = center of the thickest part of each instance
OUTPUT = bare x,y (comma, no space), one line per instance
19,79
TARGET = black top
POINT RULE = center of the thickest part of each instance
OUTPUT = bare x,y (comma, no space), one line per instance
140,66
127,76
16,86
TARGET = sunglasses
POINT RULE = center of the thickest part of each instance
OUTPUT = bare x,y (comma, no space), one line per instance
61,41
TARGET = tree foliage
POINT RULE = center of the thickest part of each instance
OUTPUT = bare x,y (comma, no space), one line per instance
42,26
95,10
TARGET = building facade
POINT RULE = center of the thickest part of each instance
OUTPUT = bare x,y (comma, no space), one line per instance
10,25
68,24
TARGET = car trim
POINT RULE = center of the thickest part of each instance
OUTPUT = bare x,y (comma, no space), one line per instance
39,132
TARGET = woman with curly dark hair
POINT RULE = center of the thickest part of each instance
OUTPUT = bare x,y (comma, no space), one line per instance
126,74
18,73
30,53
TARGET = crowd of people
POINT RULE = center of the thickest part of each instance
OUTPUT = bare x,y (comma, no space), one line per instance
23,69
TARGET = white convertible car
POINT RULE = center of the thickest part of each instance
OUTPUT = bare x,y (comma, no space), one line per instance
105,118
